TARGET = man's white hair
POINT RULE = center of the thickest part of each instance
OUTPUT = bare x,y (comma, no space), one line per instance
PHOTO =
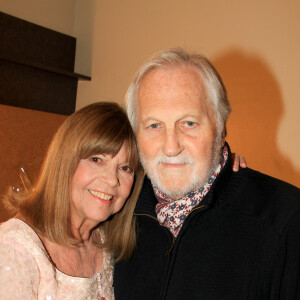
215,89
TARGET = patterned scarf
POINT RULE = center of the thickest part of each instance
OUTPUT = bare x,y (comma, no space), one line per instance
172,213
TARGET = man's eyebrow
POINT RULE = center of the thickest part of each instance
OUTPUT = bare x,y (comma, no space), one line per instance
189,115
150,119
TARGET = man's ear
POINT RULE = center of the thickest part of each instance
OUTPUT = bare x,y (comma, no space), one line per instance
223,142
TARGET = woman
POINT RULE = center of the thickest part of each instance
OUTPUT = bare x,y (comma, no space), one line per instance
60,243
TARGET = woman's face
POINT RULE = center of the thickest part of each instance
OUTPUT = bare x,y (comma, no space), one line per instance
100,187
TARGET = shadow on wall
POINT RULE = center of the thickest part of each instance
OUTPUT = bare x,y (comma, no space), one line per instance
257,108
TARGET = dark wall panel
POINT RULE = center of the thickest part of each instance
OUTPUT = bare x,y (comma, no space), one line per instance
37,67
26,87
29,42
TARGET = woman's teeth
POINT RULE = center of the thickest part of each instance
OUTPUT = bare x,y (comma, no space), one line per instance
101,195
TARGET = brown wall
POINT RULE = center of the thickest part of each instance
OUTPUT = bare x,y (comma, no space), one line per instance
24,138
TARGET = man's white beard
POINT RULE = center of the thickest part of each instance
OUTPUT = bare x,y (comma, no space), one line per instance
196,181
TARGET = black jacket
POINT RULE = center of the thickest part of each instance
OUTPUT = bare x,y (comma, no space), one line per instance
241,242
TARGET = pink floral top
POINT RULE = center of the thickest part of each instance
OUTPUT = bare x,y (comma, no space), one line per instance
27,273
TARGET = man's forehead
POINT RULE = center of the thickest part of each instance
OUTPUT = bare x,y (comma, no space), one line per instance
170,88
171,73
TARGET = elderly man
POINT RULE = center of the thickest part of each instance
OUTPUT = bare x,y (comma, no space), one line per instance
203,231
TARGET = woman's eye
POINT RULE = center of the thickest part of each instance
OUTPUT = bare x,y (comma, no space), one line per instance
95,159
127,169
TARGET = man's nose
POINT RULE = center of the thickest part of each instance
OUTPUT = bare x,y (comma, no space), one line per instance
172,143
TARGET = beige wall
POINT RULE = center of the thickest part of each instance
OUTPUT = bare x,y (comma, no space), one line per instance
54,14
254,44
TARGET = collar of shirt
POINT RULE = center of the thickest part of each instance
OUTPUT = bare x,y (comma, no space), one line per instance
172,213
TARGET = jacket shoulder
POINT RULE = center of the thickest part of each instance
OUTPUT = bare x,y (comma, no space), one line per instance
273,201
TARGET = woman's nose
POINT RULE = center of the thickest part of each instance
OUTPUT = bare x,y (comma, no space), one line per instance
111,177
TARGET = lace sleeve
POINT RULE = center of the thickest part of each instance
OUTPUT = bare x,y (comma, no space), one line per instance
19,274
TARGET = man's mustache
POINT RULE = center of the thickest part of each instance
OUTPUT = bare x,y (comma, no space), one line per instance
179,159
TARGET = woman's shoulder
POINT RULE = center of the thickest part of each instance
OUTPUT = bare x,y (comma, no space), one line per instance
17,233
15,227
23,253
18,236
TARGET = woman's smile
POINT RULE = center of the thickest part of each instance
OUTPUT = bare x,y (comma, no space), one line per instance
100,195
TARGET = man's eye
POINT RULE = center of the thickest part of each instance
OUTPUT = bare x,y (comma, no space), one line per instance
189,123
153,126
